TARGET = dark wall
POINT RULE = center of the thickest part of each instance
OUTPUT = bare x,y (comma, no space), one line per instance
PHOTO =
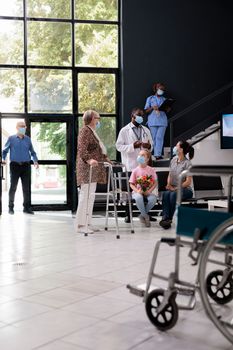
187,45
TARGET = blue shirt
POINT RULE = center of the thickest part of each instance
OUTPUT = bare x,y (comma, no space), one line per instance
21,149
156,119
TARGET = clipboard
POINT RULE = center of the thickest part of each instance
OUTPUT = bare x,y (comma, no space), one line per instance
166,104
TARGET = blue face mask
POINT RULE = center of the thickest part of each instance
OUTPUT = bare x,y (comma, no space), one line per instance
22,131
138,119
160,92
175,151
141,159
97,125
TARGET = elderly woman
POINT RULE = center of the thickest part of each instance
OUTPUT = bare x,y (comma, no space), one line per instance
91,151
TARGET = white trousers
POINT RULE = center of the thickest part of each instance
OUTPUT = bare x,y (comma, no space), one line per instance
85,204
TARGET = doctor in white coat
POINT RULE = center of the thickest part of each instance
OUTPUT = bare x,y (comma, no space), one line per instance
132,139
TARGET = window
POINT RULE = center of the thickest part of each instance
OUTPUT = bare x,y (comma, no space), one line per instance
96,45
57,59
49,91
11,90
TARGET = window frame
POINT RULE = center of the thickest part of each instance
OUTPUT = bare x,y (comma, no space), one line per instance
70,118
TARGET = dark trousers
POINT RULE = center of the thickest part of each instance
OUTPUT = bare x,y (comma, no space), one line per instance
22,171
169,201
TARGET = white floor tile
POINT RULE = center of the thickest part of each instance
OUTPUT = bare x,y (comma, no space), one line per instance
70,290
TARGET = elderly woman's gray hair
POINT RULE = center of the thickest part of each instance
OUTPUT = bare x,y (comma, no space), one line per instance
89,115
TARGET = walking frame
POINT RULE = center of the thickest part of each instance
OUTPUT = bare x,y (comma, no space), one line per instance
115,190
209,238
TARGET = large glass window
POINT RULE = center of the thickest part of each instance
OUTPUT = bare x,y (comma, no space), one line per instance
106,10
48,8
59,58
49,43
96,45
96,91
48,185
11,8
49,91
11,90
11,42
50,140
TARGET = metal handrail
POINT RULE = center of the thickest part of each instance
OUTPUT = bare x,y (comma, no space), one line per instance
194,106
201,101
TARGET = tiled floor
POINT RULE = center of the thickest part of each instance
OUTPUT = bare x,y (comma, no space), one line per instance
62,291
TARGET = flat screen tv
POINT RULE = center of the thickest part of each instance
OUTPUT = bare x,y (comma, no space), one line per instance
227,131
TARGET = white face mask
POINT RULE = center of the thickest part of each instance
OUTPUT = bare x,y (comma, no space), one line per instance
160,92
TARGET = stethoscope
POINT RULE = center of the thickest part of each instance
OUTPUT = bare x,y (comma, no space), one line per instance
142,133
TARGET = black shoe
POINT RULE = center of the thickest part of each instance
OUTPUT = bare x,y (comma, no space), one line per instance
28,211
152,218
127,219
11,211
165,223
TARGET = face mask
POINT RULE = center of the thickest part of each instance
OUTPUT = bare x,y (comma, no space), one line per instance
141,159
22,131
97,125
138,119
160,92
175,151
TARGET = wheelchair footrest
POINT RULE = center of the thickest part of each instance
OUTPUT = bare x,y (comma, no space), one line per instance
170,241
135,290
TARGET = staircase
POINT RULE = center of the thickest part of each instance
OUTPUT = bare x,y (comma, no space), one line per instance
204,120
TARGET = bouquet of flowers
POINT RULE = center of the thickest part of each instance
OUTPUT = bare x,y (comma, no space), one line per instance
145,182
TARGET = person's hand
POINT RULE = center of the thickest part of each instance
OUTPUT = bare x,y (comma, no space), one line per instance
171,188
155,108
137,144
146,145
3,162
140,191
36,165
146,193
93,162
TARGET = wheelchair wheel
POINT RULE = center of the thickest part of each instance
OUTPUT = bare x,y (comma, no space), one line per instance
165,319
218,252
224,294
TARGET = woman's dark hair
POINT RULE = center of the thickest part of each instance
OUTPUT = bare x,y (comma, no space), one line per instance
155,86
187,148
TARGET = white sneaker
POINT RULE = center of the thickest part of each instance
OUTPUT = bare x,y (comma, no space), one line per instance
147,221
82,229
93,228
142,219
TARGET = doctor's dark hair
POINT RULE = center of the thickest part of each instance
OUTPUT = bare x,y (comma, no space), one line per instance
187,148
136,109
155,87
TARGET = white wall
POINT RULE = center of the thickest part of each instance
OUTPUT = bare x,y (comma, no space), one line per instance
208,152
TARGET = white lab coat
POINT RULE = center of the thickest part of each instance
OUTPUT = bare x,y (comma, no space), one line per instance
124,144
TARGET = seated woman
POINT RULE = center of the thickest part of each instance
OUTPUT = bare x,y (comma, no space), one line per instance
178,163
143,183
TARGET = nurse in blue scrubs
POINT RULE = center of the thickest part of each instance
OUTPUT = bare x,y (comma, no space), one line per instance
157,120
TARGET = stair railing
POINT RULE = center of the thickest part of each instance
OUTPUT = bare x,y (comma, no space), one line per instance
194,106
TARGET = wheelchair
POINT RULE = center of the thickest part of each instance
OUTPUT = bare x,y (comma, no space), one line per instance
208,239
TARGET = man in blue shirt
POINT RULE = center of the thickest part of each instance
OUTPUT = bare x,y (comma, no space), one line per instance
21,152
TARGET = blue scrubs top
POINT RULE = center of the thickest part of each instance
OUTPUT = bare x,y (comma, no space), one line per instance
155,119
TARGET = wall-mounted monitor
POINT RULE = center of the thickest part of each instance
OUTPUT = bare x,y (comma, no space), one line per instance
227,131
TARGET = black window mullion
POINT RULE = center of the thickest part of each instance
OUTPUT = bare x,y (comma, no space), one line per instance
25,58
